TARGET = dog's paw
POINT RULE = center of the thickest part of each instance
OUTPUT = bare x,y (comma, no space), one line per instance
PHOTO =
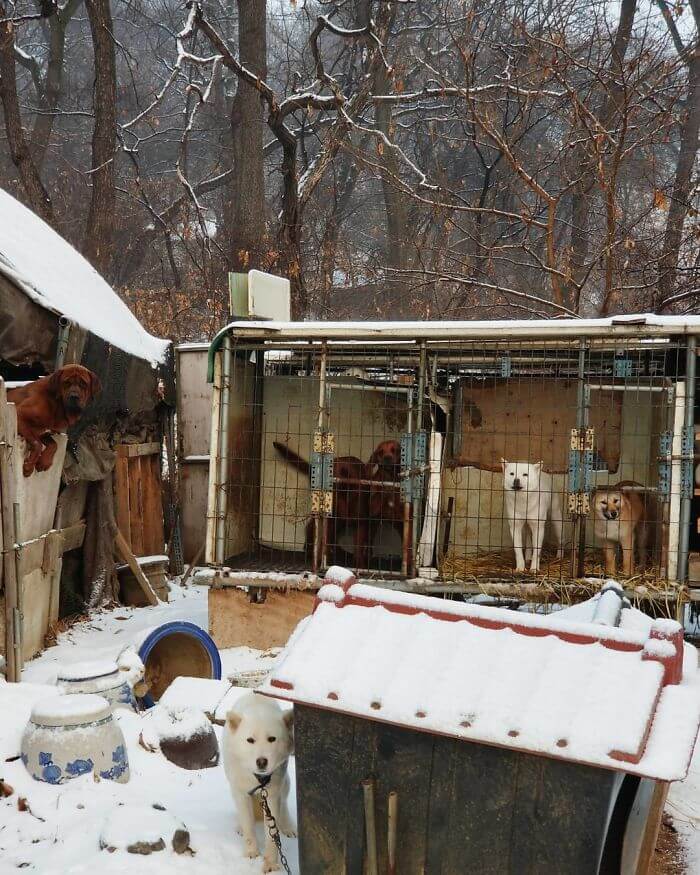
251,850
270,865
290,832
42,465
27,469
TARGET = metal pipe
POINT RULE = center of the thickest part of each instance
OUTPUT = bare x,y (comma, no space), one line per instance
320,549
392,829
582,402
422,367
687,489
222,461
370,827
652,326
64,326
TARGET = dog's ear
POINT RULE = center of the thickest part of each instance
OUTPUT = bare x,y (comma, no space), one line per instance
54,382
233,720
95,385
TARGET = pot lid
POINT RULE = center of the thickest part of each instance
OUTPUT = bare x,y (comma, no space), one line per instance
70,710
87,671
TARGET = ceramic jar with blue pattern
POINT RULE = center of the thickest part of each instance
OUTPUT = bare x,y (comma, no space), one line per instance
71,735
102,678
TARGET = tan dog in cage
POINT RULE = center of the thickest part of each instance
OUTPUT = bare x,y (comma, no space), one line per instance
620,518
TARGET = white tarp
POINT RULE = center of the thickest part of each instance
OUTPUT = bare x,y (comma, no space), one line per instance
51,272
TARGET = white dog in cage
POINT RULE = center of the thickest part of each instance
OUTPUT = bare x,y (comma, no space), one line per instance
529,498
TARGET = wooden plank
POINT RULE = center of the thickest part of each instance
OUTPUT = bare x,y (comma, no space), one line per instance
136,506
323,743
130,559
528,418
121,491
133,451
13,642
651,831
235,621
153,538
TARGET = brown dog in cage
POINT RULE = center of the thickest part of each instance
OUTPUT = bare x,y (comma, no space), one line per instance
50,405
620,518
350,504
385,461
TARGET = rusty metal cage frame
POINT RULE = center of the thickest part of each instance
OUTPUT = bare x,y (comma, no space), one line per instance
648,355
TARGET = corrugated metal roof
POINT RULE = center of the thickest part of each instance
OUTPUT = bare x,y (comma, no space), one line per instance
570,690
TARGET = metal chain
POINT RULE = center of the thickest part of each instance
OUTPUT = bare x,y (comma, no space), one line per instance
273,829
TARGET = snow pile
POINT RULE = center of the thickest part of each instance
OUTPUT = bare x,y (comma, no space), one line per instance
62,281
178,723
141,827
58,831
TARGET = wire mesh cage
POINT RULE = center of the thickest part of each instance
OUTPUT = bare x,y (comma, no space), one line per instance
487,463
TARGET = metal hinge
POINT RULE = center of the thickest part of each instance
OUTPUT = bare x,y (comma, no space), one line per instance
414,452
688,456
665,449
579,503
581,463
506,365
622,367
321,473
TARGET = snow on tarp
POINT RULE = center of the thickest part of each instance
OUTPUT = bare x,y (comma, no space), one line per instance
54,275
566,689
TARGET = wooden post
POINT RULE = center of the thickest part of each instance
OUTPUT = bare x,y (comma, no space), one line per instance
13,618
392,830
651,831
370,827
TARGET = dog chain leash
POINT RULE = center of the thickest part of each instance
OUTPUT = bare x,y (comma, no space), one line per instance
270,821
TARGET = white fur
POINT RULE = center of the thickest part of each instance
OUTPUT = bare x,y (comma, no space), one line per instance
250,725
527,509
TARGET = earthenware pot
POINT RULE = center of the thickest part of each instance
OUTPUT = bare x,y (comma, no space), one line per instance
71,735
102,678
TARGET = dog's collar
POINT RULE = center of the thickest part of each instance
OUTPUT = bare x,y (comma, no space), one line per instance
263,781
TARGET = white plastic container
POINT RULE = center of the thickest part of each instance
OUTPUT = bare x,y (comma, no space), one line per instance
72,735
102,678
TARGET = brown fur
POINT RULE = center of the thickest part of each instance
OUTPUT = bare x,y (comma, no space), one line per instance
350,501
50,405
620,518
385,461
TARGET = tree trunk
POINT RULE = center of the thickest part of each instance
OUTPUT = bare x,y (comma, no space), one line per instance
680,199
584,162
246,232
49,95
97,246
37,196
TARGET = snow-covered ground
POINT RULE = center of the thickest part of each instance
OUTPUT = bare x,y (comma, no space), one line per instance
59,833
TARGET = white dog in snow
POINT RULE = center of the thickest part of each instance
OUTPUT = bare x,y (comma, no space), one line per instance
528,499
258,741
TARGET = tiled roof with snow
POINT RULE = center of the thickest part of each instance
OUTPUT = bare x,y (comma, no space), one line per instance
584,691
53,274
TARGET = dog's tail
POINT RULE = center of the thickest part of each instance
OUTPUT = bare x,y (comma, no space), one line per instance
290,456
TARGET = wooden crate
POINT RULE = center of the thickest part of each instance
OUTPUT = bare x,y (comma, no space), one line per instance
138,497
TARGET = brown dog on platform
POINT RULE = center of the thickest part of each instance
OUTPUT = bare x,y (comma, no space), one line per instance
50,405
350,500
620,519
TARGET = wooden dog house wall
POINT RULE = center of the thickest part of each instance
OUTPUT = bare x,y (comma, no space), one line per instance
596,402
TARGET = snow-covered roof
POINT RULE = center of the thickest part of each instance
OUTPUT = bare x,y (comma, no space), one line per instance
640,324
616,697
53,274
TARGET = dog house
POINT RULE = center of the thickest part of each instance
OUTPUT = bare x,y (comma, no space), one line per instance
438,736
379,446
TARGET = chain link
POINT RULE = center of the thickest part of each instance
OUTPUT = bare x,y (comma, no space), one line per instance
273,829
